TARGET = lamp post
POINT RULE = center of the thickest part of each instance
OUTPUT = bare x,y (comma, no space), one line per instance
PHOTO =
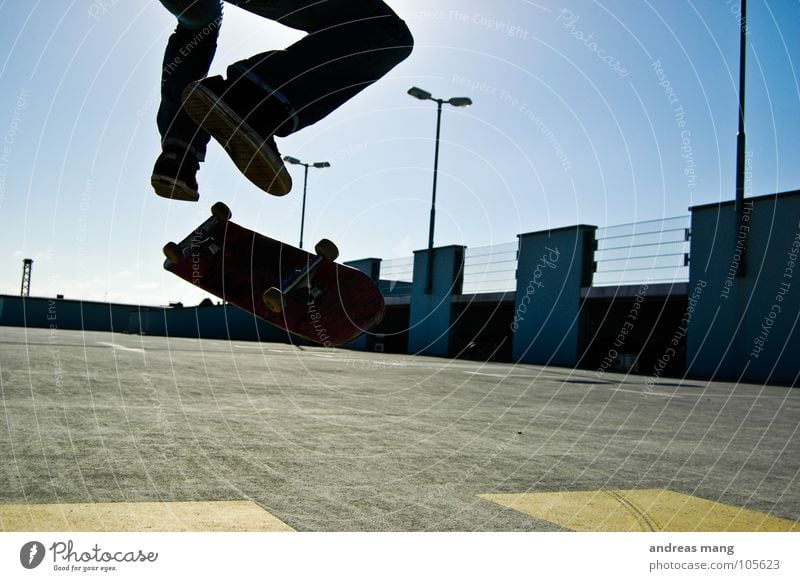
741,229
318,165
423,95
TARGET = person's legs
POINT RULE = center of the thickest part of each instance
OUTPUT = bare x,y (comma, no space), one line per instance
187,58
350,45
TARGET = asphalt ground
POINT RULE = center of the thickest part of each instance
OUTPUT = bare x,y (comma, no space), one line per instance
105,432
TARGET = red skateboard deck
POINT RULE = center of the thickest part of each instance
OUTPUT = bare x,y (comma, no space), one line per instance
306,294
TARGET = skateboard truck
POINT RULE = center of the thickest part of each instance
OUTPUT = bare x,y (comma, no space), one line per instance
301,278
202,237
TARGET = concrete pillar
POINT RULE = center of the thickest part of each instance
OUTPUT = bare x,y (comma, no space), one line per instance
372,268
431,316
552,267
745,327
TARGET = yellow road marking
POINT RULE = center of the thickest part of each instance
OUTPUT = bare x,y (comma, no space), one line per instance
640,510
228,516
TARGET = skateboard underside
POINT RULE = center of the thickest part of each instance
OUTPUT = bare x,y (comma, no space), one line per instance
318,299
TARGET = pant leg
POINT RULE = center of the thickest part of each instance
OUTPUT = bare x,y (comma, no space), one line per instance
350,45
187,58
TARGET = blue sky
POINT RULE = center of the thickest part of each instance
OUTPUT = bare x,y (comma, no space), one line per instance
584,112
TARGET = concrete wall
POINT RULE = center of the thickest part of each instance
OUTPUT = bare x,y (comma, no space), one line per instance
212,322
218,322
16,311
746,327
552,267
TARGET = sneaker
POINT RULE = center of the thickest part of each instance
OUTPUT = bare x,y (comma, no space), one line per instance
174,175
218,110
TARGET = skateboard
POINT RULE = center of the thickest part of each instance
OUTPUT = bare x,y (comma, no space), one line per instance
306,294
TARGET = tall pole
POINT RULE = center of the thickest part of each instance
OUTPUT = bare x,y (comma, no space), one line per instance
303,212
429,280
741,230
318,165
423,95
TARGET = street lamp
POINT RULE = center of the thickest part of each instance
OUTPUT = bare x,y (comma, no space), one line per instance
741,227
318,165
423,95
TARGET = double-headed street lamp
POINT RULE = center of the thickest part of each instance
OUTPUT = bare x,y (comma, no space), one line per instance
318,165
455,102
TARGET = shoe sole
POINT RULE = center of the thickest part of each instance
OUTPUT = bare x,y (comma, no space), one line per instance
258,164
174,189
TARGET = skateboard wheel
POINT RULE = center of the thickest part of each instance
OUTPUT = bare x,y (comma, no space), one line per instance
221,212
173,252
327,249
273,299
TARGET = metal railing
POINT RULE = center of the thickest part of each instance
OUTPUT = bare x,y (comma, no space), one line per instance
653,251
399,269
489,269
398,274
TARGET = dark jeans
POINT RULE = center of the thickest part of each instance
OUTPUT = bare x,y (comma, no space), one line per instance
350,44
